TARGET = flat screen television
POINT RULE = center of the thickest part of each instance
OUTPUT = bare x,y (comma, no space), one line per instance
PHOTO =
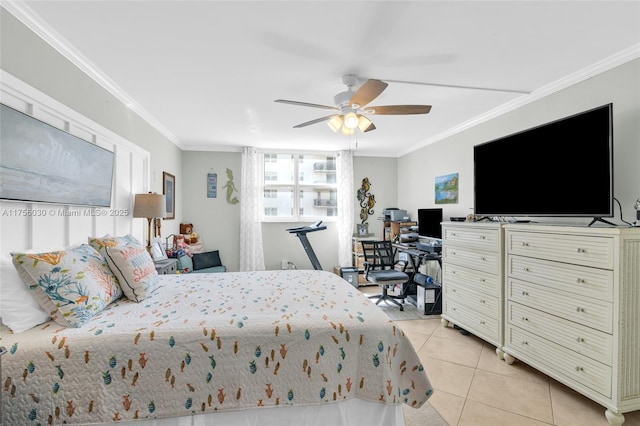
429,223
563,168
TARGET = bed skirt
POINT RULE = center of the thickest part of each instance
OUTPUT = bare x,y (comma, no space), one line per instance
350,412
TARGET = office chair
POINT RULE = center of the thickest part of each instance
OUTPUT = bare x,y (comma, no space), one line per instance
379,268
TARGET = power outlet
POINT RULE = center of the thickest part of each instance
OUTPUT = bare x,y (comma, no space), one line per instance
284,264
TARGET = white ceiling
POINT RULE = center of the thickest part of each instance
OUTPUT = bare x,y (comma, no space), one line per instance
206,73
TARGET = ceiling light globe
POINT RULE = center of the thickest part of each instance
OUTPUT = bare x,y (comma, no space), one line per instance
351,120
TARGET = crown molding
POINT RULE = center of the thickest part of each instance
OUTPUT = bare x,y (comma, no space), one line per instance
599,67
42,29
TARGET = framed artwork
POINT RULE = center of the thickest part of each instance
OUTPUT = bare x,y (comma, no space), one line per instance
169,191
157,253
363,229
41,163
447,189
212,185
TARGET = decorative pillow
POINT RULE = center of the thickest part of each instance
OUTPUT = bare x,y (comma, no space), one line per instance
185,264
19,310
206,260
136,272
100,244
71,285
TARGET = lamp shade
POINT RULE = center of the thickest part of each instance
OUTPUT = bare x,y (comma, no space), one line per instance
149,205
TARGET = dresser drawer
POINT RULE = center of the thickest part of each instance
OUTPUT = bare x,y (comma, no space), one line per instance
566,363
482,261
480,281
590,312
584,340
482,239
483,303
472,320
593,251
591,282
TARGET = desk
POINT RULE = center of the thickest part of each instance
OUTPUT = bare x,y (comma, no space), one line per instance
418,281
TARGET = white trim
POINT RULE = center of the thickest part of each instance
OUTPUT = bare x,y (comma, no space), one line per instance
18,88
35,23
599,67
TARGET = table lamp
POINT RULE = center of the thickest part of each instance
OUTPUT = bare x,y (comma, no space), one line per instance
151,206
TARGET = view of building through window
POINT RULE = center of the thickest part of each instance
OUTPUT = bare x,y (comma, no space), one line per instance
300,186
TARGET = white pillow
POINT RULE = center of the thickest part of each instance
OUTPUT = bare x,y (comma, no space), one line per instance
19,310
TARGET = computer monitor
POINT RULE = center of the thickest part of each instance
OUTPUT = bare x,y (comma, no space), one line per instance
429,223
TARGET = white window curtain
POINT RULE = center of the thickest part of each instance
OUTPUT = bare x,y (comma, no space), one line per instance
251,250
346,209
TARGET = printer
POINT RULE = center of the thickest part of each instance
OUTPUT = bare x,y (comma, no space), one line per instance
393,214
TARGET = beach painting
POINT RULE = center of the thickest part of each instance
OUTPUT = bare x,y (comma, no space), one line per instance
41,163
446,189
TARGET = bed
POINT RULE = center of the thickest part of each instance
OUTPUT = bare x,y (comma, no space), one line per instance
264,347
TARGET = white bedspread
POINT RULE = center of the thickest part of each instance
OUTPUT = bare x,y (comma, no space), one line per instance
213,342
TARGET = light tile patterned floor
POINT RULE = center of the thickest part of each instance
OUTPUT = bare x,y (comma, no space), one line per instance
475,388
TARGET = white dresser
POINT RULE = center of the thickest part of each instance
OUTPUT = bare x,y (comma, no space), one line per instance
472,283
572,309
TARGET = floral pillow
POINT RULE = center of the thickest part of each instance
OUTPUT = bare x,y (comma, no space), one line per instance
71,285
136,272
101,244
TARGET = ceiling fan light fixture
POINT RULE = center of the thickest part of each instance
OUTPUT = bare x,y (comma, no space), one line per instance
347,132
363,123
351,120
335,123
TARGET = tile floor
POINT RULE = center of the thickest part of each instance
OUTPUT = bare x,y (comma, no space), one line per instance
474,387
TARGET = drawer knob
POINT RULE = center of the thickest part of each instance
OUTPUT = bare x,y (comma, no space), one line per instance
483,258
579,369
525,343
525,269
482,237
482,280
482,323
482,301
525,244
524,293
580,340
579,309
581,250
580,281
525,319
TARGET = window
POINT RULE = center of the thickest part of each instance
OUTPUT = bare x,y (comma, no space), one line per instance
298,187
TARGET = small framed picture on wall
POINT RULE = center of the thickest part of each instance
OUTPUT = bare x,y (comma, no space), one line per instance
169,191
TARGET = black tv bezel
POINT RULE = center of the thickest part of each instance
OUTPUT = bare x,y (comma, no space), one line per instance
441,219
564,213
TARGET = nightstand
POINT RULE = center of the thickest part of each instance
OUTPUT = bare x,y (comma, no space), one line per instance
167,266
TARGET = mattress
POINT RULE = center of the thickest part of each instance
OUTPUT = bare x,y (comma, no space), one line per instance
213,343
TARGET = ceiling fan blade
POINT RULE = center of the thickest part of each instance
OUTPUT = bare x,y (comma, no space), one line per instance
370,90
317,120
284,101
399,109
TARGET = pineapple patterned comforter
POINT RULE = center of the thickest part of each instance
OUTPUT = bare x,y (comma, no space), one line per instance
212,342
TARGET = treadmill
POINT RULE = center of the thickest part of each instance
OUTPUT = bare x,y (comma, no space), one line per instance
301,232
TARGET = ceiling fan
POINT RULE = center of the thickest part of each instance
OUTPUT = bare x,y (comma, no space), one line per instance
351,106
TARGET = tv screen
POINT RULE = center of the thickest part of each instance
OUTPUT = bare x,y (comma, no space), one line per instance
429,221
562,168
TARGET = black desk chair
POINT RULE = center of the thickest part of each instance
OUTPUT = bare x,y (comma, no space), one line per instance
380,268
